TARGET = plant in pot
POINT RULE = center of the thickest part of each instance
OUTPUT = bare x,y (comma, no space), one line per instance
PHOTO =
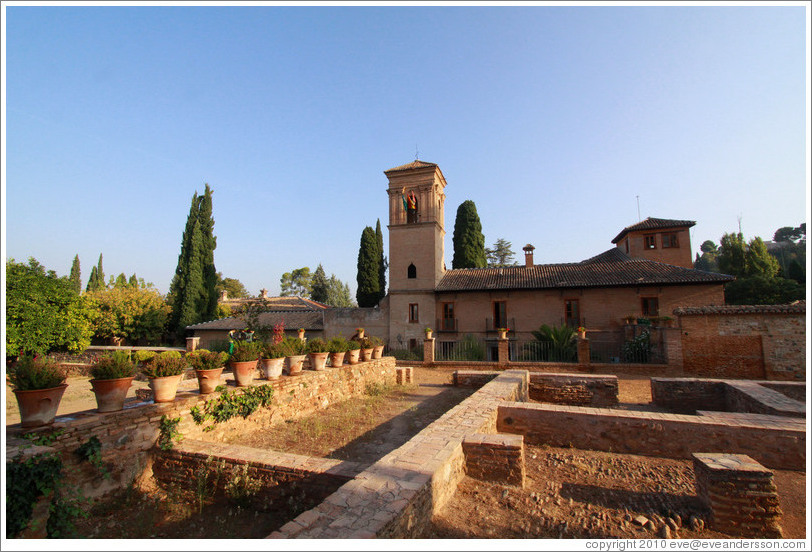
317,350
208,366
366,349
337,347
164,371
294,349
112,377
359,333
377,347
38,384
428,332
244,361
353,351
142,357
272,360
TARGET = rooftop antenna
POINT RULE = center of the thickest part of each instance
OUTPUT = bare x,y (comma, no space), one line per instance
739,218
416,153
639,218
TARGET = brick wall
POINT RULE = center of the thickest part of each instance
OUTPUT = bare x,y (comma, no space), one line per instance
574,389
755,342
775,442
128,436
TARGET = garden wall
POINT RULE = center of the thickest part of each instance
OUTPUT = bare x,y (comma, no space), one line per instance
572,389
127,437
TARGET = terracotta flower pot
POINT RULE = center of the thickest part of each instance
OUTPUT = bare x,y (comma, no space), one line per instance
428,335
318,361
110,394
336,359
295,364
164,389
377,351
360,333
38,406
366,355
272,367
354,355
208,380
244,372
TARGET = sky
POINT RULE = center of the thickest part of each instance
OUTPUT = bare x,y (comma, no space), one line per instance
564,124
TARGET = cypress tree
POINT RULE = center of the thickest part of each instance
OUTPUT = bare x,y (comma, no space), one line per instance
382,260
368,292
469,242
193,288
96,281
319,286
76,275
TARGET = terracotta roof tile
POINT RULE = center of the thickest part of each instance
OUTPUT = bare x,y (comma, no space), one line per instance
594,272
798,307
293,319
654,224
416,164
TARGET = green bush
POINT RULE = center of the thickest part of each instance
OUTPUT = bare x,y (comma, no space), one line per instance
116,365
30,373
353,345
142,357
293,346
246,351
203,359
375,341
269,350
337,345
405,354
168,363
316,345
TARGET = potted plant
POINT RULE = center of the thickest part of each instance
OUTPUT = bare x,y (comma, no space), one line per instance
582,332
503,332
353,351
38,385
165,370
338,348
428,332
301,333
366,350
630,318
272,360
142,357
377,347
294,349
243,361
208,366
359,333
112,377
317,350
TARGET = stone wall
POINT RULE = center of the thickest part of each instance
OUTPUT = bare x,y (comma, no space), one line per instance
128,437
751,342
687,395
343,321
574,389
774,441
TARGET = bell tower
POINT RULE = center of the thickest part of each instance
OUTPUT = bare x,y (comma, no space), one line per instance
416,247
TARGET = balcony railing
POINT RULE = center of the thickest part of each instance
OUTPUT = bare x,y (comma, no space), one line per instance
490,326
446,325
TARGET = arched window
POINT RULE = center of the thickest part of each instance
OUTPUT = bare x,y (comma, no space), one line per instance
412,271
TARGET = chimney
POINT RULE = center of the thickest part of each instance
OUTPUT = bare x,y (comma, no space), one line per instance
263,293
528,255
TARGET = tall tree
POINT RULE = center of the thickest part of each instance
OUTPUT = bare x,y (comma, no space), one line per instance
296,283
469,242
319,286
369,286
501,254
708,260
232,286
384,262
338,293
758,261
96,281
192,291
76,275
732,254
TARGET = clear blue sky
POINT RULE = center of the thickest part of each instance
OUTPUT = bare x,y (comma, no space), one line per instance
551,119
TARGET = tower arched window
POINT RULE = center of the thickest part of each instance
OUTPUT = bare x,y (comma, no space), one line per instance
411,271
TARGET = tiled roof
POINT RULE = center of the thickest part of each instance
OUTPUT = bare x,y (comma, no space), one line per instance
798,307
595,272
614,255
280,303
654,224
416,164
309,320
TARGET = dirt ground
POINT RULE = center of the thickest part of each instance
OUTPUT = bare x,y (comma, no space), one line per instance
570,493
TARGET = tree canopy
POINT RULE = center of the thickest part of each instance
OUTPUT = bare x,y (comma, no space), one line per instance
133,312
43,311
298,282
330,291
469,242
76,275
501,255
383,261
368,292
193,289
232,286
96,281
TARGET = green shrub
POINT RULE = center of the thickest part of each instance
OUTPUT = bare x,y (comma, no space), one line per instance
376,341
366,343
293,346
220,345
203,359
246,351
142,357
405,354
35,372
168,363
337,345
353,345
113,366
316,345
269,350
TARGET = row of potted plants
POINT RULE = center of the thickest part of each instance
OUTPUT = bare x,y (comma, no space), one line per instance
39,382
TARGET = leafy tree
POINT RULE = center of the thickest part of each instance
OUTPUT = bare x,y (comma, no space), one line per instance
338,293
319,284
43,311
76,275
134,313
763,290
119,282
790,234
232,286
469,242
758,261
732,255
96,281
501,254
133,281
192,291
384,262
296,283
708,260
369,286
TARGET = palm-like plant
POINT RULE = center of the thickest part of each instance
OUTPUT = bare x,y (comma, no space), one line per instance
559,343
